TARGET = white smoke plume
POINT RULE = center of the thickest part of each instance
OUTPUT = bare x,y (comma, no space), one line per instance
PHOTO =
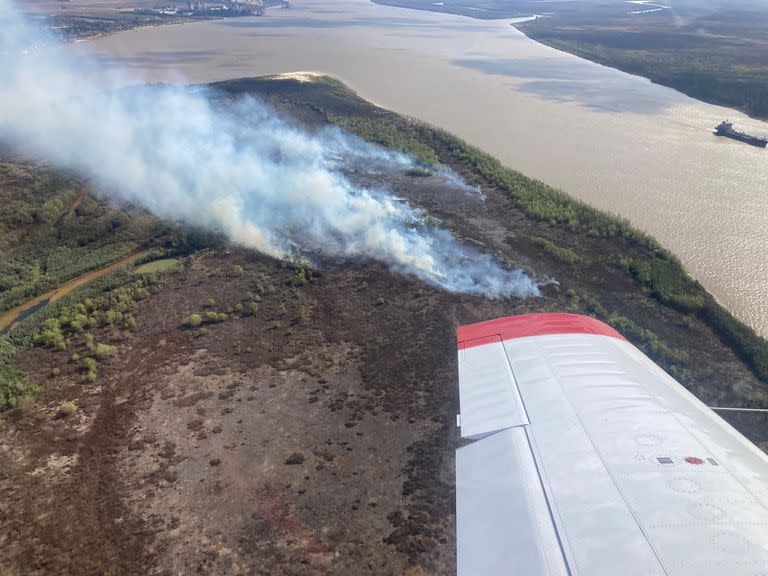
238,168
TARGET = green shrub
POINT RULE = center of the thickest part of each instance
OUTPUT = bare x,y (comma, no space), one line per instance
89,369
79,322
67,410
51,335
656,347
748,345
302,277
192,321
418,172
560,252
389,134
112,317
105,351
668,282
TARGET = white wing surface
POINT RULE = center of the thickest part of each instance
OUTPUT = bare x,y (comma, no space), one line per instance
587,459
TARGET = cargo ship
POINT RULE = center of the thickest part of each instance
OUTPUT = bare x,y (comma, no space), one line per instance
726,129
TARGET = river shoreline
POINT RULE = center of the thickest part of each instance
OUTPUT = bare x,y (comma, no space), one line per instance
637,42
649,75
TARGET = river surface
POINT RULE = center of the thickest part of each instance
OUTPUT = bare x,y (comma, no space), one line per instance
617,141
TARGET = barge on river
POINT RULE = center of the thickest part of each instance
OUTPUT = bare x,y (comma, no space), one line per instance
726,129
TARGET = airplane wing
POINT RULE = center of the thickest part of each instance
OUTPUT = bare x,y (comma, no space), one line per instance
583,457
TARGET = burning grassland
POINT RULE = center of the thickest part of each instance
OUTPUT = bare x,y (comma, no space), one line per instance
235,167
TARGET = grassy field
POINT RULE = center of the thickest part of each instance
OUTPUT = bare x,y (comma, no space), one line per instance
161,265
58,235
54,228
9,317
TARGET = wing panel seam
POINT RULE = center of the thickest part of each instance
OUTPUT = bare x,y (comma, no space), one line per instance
555,527
565,549
607,470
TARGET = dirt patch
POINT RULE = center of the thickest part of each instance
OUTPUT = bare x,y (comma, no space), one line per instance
270,479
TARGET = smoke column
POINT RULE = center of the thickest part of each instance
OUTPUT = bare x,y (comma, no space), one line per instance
237,168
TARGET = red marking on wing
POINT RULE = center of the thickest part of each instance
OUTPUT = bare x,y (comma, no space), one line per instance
531,325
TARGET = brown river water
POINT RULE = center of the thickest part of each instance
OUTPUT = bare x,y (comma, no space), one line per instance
614,140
